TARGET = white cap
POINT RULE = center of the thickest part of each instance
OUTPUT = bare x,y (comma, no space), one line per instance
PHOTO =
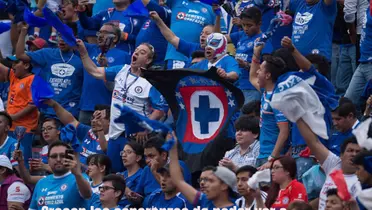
5,162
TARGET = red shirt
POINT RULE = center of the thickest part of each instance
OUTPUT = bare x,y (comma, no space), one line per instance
294,191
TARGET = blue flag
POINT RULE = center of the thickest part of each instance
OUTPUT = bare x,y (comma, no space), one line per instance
40,91
4,27
136,9
203,105
32,20
68,135
65,31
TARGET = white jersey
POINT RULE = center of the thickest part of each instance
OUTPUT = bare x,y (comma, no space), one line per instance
137,97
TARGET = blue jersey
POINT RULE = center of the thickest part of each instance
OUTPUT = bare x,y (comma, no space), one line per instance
8,147
150,32
366,40
132,183
187,48
94,90
244,50
338,138
227,63
309,36
102,5
148,183
157,200
57,192
89,142
269,130
64,72
127,24
203,202
94,200
190,15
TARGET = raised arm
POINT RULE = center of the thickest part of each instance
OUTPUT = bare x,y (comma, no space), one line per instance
302,62
23,172
255,66
63,115
20,47
89,65
317,148
177,177
167,33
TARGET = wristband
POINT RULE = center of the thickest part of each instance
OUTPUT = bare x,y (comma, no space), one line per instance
271,158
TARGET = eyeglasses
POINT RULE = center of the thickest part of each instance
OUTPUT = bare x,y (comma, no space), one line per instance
275,168
103,33
47,129
128,152
55,156
205,179
105,188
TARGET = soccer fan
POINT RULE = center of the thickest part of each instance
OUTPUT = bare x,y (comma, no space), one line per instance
61,67
247,148
93,139
111,191
129,24
133,160
331,162
131,90
13,191
20,106
248,199
168,196
274,128
66,187
104,54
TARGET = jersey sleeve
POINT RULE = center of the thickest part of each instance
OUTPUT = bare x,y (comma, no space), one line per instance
186,48
18,192
156,99
279,116
298,193
39,57
111,72
233,66
82,131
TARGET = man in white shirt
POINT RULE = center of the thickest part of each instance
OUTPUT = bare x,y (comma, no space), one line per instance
248,200
12,190
331,162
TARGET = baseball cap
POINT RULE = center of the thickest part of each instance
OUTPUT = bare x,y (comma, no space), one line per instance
226,175
5,162
38,42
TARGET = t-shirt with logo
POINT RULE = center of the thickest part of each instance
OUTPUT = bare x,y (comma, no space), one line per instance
89,142
131,182
366,39
19,97
94,90
150,33
157,200
269,130
132,91
18,192
8,147
295,191
65,75
244,50
308,35
192,16
57,192
333,162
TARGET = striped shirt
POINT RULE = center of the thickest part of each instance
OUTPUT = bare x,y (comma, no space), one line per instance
248,158
241,202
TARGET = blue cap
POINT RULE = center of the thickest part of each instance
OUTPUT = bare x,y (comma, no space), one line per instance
12,58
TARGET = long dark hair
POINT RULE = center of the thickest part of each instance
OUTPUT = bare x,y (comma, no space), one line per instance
289,165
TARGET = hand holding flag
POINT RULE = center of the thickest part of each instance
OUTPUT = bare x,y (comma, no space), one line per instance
33,20
40,91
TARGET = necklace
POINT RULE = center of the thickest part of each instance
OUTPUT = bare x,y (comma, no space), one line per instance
60,53
126,88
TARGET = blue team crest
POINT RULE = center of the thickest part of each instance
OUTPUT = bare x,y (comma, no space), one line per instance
201,102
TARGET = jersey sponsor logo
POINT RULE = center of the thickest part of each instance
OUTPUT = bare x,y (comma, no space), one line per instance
138,89
63,187
204,10
21,85
62,69
302,19
147,24
122,26
194,11
110,59
41,201
181,16
44,189
285,200
315,51
18,189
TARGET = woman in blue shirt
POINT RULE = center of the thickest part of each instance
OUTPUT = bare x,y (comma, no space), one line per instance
133,160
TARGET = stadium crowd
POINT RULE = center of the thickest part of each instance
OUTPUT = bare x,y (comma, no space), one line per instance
300,144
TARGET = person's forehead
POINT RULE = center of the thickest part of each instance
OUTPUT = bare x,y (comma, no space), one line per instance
106,28
143,47
353,146
57,149
244,174
107,183
151,150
